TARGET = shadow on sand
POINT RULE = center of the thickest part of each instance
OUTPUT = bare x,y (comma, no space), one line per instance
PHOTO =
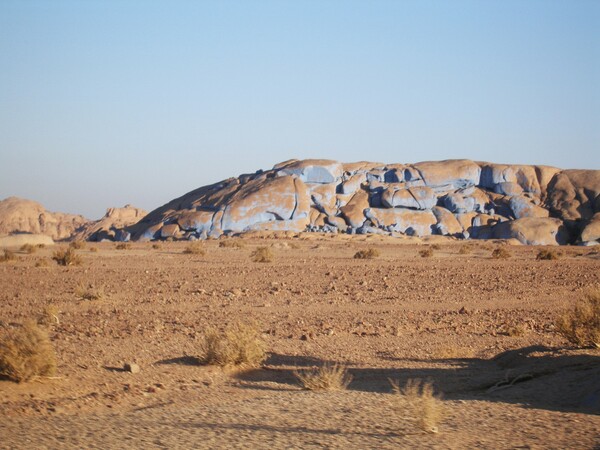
536,376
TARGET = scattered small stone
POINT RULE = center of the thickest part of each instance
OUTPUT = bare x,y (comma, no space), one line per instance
131,367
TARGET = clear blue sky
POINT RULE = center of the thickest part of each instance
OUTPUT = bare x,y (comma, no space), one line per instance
104,103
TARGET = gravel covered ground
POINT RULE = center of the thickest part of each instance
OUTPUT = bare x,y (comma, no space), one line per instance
480,329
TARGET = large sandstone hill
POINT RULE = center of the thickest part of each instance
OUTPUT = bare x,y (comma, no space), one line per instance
538,205
18,215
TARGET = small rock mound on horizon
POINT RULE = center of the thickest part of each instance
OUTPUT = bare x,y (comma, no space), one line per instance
537,205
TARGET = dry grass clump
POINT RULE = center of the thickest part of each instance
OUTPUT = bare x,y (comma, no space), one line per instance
156,246
26,353
195,248
328,377
426,252
28,248
501,253
231,243
41,263
581,324
367,254
436,247
123,246
49,316
417,399
262,254
8,255
77,245
94,249
239,345
547,255
90,292
465,249
66,257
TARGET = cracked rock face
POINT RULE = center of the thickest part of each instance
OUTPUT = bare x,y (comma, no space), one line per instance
538,205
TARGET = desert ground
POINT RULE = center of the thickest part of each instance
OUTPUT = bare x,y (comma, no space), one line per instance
480,329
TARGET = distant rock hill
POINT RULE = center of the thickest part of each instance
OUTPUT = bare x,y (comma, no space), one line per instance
19,215
538,205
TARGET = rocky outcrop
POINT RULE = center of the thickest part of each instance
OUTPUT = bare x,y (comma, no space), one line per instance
110,227
19,215
460,198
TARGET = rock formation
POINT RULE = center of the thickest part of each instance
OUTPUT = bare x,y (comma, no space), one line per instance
26,216
110,227
538,205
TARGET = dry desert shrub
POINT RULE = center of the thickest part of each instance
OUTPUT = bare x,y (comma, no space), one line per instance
41,263
41,245
501,253
426,252
239,345
367,254
66,257
8,255
436,247
547,255
94,249
49,316
28,248
195,248
123,246
26,353
581,324
77,245
417,399
231,243
156,246
465,249
90,292
328,377
262,254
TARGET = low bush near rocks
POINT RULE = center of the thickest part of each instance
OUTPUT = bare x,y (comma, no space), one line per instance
501,253
231,243
547,255
49,316
94,249
328,377
195,248
90,292
238,345
262,255
156,246
367,254
42,263
26,353
8,255
426,252
465,249
417,399
66,257
77,245
123,246
28,248
580,325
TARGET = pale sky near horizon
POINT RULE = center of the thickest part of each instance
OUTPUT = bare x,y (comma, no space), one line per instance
104,103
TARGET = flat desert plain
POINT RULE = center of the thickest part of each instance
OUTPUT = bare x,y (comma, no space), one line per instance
480,330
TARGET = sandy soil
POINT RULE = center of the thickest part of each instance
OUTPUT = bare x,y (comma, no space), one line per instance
467,322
